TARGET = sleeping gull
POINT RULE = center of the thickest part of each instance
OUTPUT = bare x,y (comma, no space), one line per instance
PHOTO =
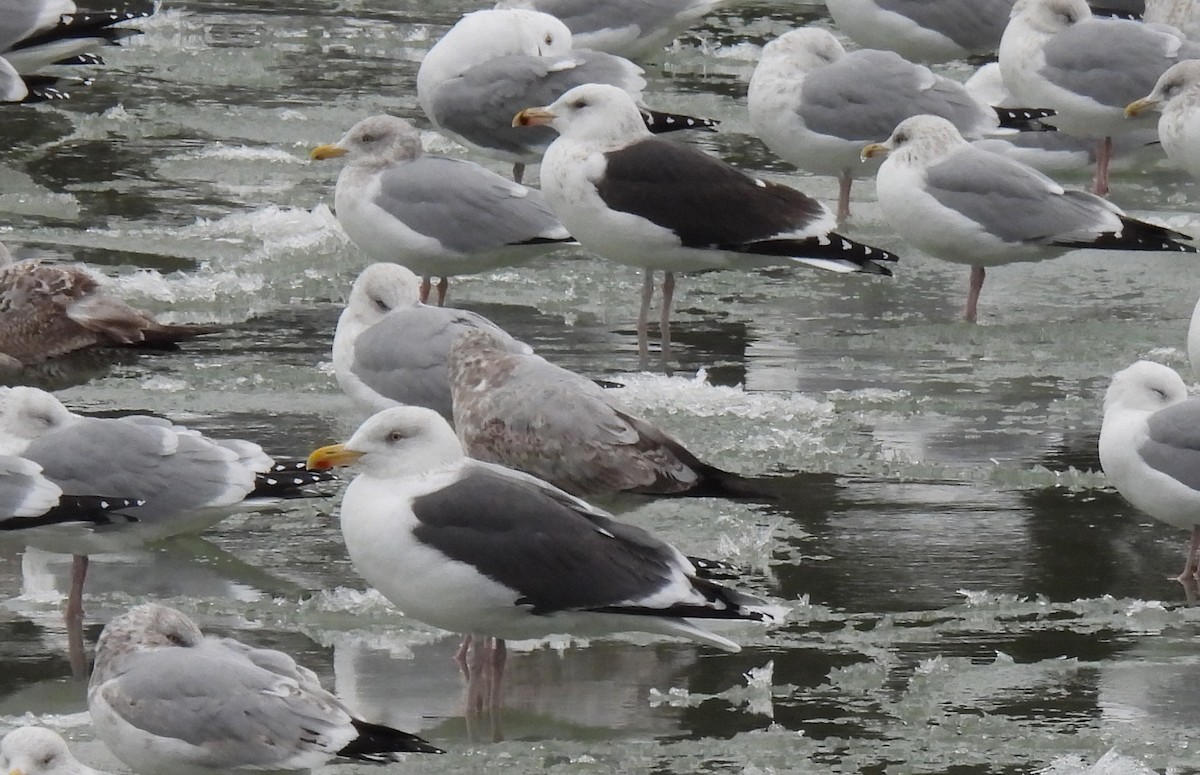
816,105
391,350
657,204
637,29
1177,95
1056,55
48,310
1150,447
39,751
928,31
166,698
497,553
521,411
968,206
187,480
28,499
433,214
493,60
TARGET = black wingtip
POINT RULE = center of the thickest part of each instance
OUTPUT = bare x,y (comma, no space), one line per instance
378,743
288,479
1138,235
659,122
1025,119
96,509
856,256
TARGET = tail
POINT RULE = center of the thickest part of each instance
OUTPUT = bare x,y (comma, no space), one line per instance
661,123
164,335
96,509
718,483
45,88
1137,235
287,479
1101,12
379,744
87,25
831,251
1025,119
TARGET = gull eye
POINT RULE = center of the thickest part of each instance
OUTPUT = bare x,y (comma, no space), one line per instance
47,760
901,138
367,137
1160,393
394,437
381,305
549,39
176,639
579,104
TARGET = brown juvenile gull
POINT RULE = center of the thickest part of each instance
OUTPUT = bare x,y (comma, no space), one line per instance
496,553
968,206
39,751
433,214
48,310
658,204
390,349
166,698
521,411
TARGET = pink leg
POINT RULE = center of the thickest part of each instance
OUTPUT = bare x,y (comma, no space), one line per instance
844,183
443,286
1193,562
1103,157
970,312
425,286
73,616
644,318
668,294
499,657
477,689
460,656
518,172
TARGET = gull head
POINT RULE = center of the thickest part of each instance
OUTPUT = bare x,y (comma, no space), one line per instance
378,140
593,113
801,51
395,443
1050,16
918,140
1144,387
37,751
1180,83
147,627
379,289
27,414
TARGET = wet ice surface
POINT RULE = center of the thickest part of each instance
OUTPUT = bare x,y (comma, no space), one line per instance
965,594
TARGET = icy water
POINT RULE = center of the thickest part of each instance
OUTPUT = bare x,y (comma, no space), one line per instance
966,594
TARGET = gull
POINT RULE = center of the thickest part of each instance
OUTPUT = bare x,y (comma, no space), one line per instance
33,750
496,553
1056,55
48,310
1150,448
969,206
650,202
521,411
494,59
637,29
166,698
1177,95
433,214
391,350
815,105
927,31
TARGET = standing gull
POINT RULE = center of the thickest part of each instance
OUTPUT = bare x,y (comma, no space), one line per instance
816,105
1056,55
493,60
166,698
1150,449
968,206
435,215
1177,95
521,411
493,552
637,29
47,311
391,350
657,204
39,751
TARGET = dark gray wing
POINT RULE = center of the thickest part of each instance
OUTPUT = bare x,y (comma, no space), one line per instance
1014,202
863,96
480,104
554,556
1173,446
464,206
1112,61
174,473
403,356
976,25
703,200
